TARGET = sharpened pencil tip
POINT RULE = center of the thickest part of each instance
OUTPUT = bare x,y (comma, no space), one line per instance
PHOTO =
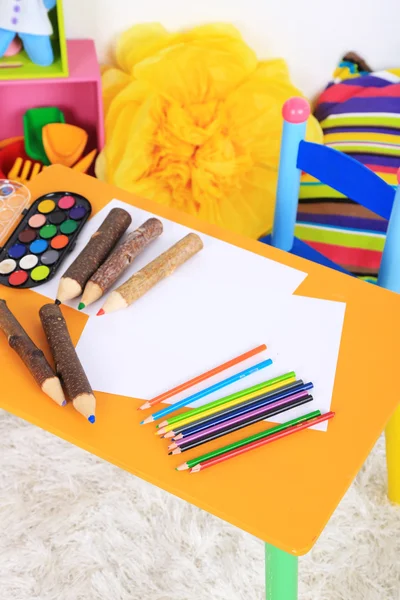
148,420
101,312
169,453
92,419
64,403
81,306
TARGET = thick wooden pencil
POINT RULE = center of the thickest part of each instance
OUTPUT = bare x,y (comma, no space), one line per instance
188,384
225,402
31,355
241,409
142,281
240,423
68,365
119,260
93,254
268,440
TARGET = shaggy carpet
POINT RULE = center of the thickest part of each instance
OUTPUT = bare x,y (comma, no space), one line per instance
73,527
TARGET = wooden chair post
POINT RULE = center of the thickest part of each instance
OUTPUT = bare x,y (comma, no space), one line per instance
295,114
389,278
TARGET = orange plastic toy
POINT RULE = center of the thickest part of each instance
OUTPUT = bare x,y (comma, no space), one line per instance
63,143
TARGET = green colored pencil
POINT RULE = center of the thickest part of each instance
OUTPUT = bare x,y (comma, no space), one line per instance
225,399
252,438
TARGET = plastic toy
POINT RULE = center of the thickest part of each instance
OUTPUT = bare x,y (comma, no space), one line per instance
21,95
21,170
28,19
34,121
63,143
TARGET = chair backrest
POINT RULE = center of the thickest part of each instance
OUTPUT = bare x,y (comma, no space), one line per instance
340,172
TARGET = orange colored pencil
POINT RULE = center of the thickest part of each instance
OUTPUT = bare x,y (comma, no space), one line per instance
202,377
267,440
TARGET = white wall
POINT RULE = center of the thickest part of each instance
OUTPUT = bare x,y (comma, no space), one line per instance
310,34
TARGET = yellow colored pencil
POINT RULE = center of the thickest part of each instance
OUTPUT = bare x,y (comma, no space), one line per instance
186,418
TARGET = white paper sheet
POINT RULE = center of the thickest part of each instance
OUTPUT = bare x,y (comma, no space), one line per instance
221,303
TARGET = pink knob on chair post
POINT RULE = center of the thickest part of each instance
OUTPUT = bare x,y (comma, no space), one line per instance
296,110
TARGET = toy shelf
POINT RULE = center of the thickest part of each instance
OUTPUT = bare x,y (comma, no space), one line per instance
78,95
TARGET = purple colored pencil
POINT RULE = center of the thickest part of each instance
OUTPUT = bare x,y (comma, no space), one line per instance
259,412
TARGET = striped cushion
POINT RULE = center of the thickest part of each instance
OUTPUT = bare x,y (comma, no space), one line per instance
360,115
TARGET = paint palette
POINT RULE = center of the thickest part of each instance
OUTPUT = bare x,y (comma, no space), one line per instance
14,198
43,238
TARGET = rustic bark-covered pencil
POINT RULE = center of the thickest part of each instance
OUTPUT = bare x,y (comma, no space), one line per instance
68,365
119,260
31,355
142,281
93,254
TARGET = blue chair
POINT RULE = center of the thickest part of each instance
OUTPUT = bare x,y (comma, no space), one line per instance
360,184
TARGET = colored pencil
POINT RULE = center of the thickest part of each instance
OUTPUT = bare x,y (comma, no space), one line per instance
239,424
245,420
248,440
233,411
226,401
191,419
213,388
268,440
269,384
184,386
263,402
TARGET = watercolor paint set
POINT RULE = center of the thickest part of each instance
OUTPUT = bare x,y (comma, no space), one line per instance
46,234
14,199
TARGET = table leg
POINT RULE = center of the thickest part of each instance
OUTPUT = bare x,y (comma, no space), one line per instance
393,457
280,574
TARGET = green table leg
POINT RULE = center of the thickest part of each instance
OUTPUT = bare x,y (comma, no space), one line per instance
280,574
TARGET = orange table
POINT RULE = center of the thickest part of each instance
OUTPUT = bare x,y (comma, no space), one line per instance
284,493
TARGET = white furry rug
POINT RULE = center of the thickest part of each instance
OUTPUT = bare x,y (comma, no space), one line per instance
73,527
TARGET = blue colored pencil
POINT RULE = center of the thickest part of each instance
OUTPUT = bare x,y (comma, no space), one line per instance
239,410
213,388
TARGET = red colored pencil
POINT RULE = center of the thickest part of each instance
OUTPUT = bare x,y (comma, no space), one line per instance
262,442
184,386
